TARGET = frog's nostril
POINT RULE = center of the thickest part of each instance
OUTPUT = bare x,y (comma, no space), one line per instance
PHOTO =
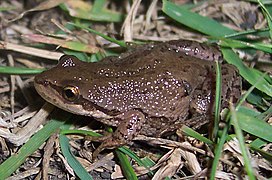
45,83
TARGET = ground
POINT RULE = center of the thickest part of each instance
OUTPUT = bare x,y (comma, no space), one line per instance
34,34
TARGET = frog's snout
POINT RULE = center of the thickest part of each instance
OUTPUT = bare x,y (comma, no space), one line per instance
41,79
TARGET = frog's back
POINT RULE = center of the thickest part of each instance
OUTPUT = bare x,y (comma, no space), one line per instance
156,82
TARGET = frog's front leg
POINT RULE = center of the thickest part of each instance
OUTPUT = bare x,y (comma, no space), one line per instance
129,127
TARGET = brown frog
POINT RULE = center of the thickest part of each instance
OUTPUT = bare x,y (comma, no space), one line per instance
147,91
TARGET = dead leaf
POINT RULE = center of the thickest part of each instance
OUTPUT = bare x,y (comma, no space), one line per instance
74,45
42,6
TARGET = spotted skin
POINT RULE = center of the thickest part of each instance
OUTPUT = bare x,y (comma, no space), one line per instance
142,92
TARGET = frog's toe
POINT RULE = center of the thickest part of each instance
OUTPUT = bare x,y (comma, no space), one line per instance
98,139
96,152
109,142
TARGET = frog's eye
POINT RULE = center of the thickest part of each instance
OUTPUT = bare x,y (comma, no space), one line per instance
70,93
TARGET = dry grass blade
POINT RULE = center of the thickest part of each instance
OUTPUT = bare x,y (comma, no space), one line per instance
30,50
127,28
32,126
44,30
43,6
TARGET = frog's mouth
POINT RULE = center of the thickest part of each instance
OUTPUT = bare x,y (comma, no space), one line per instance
47,91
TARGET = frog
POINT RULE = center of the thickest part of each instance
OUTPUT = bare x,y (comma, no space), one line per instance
147,91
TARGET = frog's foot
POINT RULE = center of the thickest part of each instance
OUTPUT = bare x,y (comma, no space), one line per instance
108,143
98,138
129,127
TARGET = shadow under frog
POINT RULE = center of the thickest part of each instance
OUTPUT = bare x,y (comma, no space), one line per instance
150,90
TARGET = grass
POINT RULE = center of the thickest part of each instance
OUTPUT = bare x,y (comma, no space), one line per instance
214,29
19,71
243,120
10,165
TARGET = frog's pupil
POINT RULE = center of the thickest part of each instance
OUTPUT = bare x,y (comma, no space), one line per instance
69,94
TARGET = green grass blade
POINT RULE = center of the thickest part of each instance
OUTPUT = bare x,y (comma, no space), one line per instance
76,131
92,133
19,71
224,136
241,44
2,9
122,149
14,161
79,170
149,163
258,32
120,43
98,6
135,158
97,13
217,101
254,126
267,114
190,132
266,155
241,141
218,150
250,74
126,166
213,28
73,162
267,16
257,144
195,21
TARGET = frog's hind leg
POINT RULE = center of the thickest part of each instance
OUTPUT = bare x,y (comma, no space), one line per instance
194,123
129,127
